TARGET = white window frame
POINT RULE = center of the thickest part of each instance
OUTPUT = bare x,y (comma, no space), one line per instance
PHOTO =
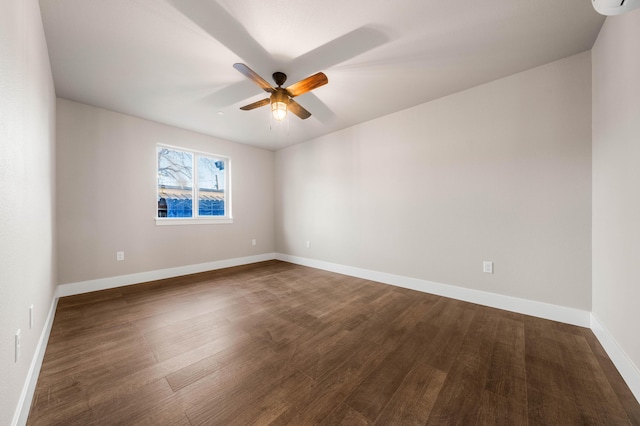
196,219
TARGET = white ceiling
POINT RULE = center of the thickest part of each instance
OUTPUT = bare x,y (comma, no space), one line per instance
171,60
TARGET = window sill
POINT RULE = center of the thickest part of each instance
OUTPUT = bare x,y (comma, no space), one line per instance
192,221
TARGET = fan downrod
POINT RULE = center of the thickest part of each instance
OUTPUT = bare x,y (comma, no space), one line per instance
279,78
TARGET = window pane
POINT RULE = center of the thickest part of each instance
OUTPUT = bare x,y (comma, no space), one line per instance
175,183
211,186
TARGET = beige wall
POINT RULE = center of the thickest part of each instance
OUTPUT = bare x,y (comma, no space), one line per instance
500,172
106,171
27,187
616,181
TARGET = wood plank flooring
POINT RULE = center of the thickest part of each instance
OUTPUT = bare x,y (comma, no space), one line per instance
276,343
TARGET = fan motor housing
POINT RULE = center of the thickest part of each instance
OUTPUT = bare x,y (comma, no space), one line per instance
279,95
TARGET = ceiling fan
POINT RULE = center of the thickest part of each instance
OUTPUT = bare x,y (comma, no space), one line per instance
281,98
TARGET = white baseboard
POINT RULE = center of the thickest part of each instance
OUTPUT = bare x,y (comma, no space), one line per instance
141,277
26,396
628,370
523,306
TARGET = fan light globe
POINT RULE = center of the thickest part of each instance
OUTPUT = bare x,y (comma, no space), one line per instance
279,110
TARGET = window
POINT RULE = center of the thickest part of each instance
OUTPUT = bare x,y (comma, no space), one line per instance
185,176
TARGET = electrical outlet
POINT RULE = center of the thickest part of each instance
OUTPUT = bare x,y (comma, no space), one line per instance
17,345
119,255
487,267
308,244
30,317
253,242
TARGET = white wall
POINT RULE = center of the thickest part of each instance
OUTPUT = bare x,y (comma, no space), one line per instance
616,182
27,187
106,171
500,172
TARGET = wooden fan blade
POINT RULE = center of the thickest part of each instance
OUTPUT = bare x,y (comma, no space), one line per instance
309,83
297,109
253,76
257,104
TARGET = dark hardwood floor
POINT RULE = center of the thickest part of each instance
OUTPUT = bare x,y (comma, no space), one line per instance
276,343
